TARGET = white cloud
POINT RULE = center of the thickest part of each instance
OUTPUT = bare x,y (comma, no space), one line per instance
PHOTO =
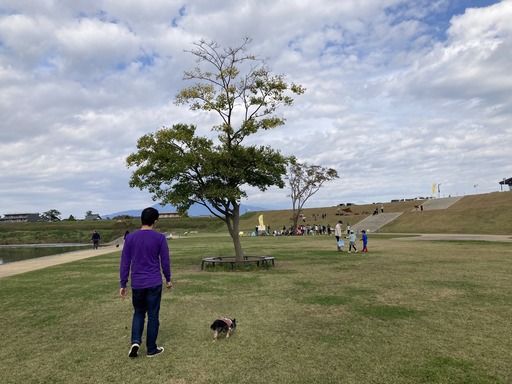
399,94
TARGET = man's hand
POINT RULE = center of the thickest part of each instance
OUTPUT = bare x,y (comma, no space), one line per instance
168,284
122,292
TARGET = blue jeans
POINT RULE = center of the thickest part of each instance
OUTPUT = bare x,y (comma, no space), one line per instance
146,300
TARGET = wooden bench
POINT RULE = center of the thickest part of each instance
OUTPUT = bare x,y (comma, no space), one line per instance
266,259
230,260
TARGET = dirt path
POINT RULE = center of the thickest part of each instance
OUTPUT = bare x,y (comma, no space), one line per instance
451,236
17,267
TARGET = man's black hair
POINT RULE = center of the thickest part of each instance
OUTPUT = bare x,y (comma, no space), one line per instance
149,216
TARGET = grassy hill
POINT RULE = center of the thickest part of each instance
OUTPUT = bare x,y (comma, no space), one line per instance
483,214
279,218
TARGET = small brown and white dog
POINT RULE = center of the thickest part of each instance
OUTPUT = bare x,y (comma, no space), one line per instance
224,324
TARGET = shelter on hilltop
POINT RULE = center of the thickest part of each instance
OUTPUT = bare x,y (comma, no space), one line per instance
507,182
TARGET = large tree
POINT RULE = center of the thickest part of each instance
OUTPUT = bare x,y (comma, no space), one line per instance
181,168
51,215
304,181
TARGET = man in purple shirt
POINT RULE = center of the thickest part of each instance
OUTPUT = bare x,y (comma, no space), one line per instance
144,258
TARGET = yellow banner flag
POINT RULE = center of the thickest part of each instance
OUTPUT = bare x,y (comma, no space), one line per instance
260,219
434,189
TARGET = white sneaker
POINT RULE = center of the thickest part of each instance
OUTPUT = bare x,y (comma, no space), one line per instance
134,350
348,251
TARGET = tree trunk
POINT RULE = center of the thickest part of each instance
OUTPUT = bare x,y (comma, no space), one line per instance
239,251
295,217
233,223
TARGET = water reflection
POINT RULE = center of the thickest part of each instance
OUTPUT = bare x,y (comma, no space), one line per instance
12,253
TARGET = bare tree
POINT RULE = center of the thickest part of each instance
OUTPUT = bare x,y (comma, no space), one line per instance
306,180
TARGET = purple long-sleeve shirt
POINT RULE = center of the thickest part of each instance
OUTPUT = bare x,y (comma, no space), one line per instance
144,253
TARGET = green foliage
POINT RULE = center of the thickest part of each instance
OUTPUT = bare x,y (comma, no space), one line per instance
123,217
51,215
200,171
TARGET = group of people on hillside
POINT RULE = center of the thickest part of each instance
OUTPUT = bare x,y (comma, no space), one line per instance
327,230
302,230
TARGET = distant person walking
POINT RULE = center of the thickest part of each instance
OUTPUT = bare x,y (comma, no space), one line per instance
124,238
95,240
364,239
352,241
144,258
338,230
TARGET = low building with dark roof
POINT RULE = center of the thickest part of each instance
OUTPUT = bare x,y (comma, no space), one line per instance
93,216
20,218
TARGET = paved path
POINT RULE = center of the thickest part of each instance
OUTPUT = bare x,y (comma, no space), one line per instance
441,203
17,267
374,222
451,236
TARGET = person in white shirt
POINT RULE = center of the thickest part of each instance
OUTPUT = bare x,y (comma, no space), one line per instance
338,233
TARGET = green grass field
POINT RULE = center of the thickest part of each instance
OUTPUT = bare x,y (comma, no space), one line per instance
406,312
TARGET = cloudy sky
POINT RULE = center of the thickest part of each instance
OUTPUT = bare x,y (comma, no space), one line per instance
400,94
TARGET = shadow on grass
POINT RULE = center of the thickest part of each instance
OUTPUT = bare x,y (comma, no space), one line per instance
445,369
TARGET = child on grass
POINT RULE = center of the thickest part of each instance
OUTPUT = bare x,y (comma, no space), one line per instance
352,241
365,241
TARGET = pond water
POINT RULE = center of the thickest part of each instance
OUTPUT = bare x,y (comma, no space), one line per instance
12,253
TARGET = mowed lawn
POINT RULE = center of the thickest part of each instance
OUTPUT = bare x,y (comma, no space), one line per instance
406,312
